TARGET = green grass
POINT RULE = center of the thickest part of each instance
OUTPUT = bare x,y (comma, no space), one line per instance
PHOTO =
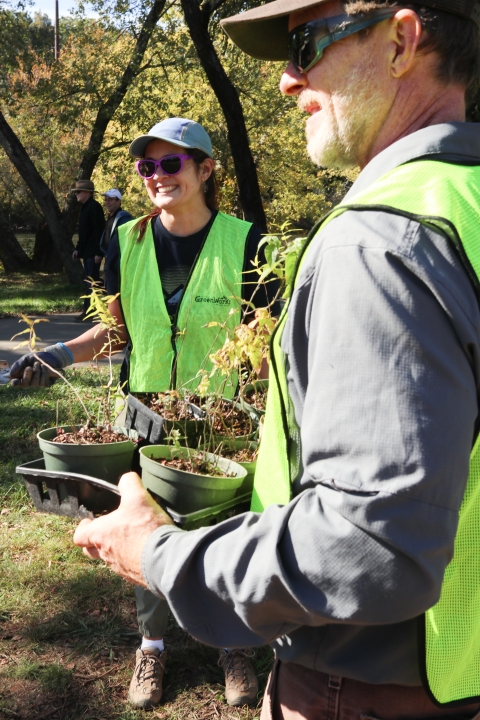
68,625
53,677
37,294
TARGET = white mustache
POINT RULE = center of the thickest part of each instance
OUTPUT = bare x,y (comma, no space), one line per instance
306,99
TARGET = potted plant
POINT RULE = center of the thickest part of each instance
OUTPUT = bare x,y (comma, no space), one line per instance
241,451
155,415
96,448
187,480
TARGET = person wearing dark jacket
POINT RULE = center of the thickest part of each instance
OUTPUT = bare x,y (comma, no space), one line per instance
90,229
116,216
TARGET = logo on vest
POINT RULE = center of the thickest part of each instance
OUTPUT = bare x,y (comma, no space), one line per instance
216,301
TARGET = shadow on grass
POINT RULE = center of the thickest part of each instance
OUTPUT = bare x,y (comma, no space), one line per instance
37,293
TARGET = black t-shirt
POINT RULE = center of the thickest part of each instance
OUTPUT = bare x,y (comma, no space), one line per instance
176,256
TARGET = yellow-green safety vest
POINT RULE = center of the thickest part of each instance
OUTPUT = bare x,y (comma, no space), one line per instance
445,197
168,355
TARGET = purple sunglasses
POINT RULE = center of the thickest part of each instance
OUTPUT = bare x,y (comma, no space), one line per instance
170,165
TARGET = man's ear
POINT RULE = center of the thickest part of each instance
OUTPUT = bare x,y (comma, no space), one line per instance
405,33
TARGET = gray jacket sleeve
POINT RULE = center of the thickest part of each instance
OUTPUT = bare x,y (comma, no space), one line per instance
382,346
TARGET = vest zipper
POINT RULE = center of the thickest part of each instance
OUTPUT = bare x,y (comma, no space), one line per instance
175,330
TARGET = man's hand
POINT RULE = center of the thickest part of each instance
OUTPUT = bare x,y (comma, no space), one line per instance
118,538
98,259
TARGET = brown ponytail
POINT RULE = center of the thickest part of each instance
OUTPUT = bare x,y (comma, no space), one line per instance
142,224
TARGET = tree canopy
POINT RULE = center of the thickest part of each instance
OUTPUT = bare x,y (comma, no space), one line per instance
119,74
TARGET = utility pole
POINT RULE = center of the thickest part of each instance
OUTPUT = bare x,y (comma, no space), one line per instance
57,34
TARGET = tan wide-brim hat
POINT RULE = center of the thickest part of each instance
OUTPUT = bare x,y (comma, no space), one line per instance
86,185
263,31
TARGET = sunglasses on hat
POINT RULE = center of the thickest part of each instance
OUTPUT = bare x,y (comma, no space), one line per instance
307,42
170,165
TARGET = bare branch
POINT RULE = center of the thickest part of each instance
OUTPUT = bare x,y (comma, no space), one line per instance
209,7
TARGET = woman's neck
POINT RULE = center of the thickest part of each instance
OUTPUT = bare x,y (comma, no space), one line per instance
185,224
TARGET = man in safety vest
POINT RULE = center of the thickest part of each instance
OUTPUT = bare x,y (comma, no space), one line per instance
360,560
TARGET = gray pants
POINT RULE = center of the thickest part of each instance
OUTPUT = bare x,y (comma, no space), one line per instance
152,613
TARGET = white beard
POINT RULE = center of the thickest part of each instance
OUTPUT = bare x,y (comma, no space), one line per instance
353,109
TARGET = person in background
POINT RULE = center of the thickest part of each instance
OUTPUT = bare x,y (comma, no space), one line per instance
116,216
91,225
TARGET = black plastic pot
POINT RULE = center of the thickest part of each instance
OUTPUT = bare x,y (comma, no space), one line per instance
154,428
88,497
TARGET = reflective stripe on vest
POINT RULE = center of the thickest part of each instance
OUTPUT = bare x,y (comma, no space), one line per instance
165,356
446,198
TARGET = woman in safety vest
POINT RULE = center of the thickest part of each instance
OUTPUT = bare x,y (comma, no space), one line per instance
176,269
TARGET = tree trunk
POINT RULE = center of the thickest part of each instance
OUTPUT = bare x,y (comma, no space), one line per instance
110,106
47,201
227,96
12,255
45,258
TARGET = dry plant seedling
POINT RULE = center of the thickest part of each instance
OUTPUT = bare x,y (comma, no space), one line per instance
242,355
194,461
95,429
247,346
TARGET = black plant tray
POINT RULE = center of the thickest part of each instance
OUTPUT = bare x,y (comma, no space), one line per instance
153,427
82,496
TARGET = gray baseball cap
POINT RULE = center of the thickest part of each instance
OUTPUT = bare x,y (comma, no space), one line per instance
179,131
263,31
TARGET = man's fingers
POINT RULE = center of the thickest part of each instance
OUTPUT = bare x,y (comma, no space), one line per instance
130,483
133,494
92,553
82,533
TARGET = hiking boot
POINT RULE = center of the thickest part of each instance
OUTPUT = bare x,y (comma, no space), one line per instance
241,684
146,687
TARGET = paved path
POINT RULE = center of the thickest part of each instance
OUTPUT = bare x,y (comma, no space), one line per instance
60,328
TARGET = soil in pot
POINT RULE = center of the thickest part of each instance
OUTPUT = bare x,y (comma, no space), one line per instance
256,395
243,452
239,455
155,415
171,406
183,491
228,419
197,463
89,436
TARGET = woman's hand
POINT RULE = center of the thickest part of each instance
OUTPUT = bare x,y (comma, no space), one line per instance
119,538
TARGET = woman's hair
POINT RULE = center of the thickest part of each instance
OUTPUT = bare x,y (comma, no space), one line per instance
211,194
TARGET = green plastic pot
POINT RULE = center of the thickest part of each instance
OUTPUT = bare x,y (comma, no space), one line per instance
239,444
183,491
107,461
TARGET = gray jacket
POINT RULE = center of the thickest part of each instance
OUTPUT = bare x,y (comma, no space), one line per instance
383,348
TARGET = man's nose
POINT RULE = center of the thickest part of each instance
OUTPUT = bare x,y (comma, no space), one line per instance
292,81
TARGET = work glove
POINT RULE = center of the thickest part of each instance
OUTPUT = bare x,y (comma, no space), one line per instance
29,371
